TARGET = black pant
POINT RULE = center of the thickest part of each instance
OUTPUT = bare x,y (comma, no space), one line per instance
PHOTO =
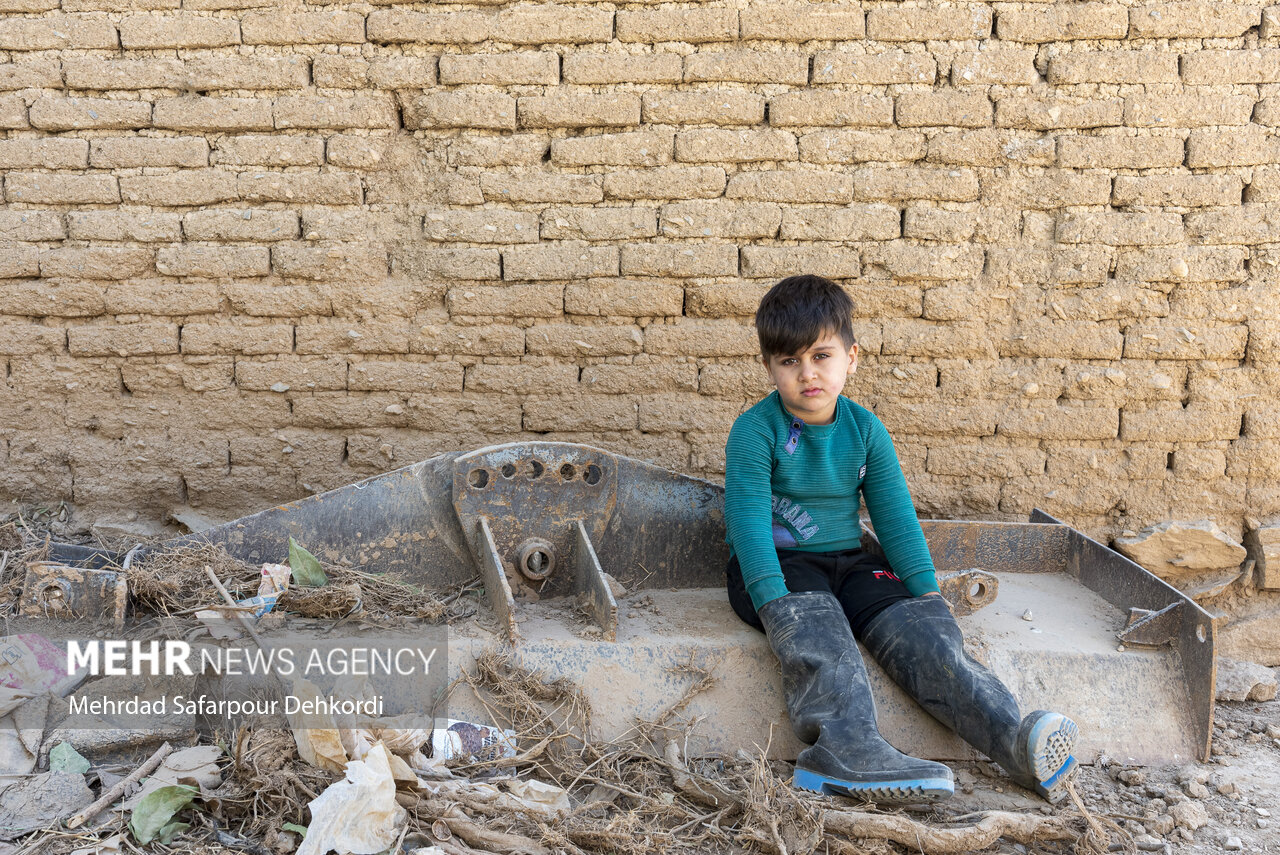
863,583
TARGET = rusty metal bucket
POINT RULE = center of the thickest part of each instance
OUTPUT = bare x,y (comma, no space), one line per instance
555,529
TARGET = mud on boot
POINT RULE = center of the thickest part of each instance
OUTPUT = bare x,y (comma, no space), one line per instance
831,708
1046,742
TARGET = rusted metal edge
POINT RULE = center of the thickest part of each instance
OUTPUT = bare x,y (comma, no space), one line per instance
592,585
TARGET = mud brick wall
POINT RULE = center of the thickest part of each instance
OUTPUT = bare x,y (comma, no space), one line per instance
254,250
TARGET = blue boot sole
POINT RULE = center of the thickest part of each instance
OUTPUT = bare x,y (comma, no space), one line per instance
901,791
1050,745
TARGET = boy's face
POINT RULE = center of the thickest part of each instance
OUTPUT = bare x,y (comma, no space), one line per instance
810,382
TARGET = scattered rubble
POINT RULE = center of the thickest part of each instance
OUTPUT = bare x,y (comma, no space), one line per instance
1245,681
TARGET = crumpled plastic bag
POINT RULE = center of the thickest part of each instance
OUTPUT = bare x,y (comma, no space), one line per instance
359,814
539,796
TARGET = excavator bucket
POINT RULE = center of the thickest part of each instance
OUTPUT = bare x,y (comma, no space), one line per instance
610,572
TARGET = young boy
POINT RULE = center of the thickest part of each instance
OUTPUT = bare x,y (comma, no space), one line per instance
795,463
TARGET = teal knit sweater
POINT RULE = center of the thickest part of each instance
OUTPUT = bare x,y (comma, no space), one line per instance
795,486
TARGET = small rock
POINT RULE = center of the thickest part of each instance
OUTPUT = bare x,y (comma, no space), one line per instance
1262,812
1226,788
1245,681
1273,731
1233,844
1133,777
1197,790
1172,549
1147,843
1189,774
1162,825
1027,615
1190,815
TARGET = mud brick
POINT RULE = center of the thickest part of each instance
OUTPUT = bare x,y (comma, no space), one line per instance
248,72
70,114
1260,421
353,151
721,108
954,23
555,261
552,24
642,148
720,218
213,114
403,72
1120,229
701,338
624,298
491,225
240,225
679,260
925,223
511,301
905,261
279,301
586,413
666,182
907,417
124,225
965,110
989,147
58,32
681,25
517,150
545,187
30,74
912,337
269,150
1042,114
687,411
1050,189
1248,147
154,32
1116,66
351,336
1220,67
488,340
612,224
425,187
317,375
834,66
305,28
123,340
792,185
1265,186
37,298
361,111
830,109
325,223
31,226
399,26
188,187
1064,340
375,376
13,112
1050,421
877,184
985,461
1170,340
340,72
340,262
715,145
572,340
1182,264
593,68
1007,66
41,188
1185,110
214,262
19,261
132,152
1059,23
1117,152
97,73
336,410
501,69
854,222
747,67
17,339
721,301
1193,20
1267,112
27,6
475,110
424,263
46,153
861,146
828,22
579,111
325,188
772,262
1197,422
643,377
1189,191
250,340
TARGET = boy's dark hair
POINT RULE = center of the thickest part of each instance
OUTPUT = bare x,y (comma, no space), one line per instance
798,311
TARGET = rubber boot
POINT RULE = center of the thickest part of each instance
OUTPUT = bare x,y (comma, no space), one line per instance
919,645
829,701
